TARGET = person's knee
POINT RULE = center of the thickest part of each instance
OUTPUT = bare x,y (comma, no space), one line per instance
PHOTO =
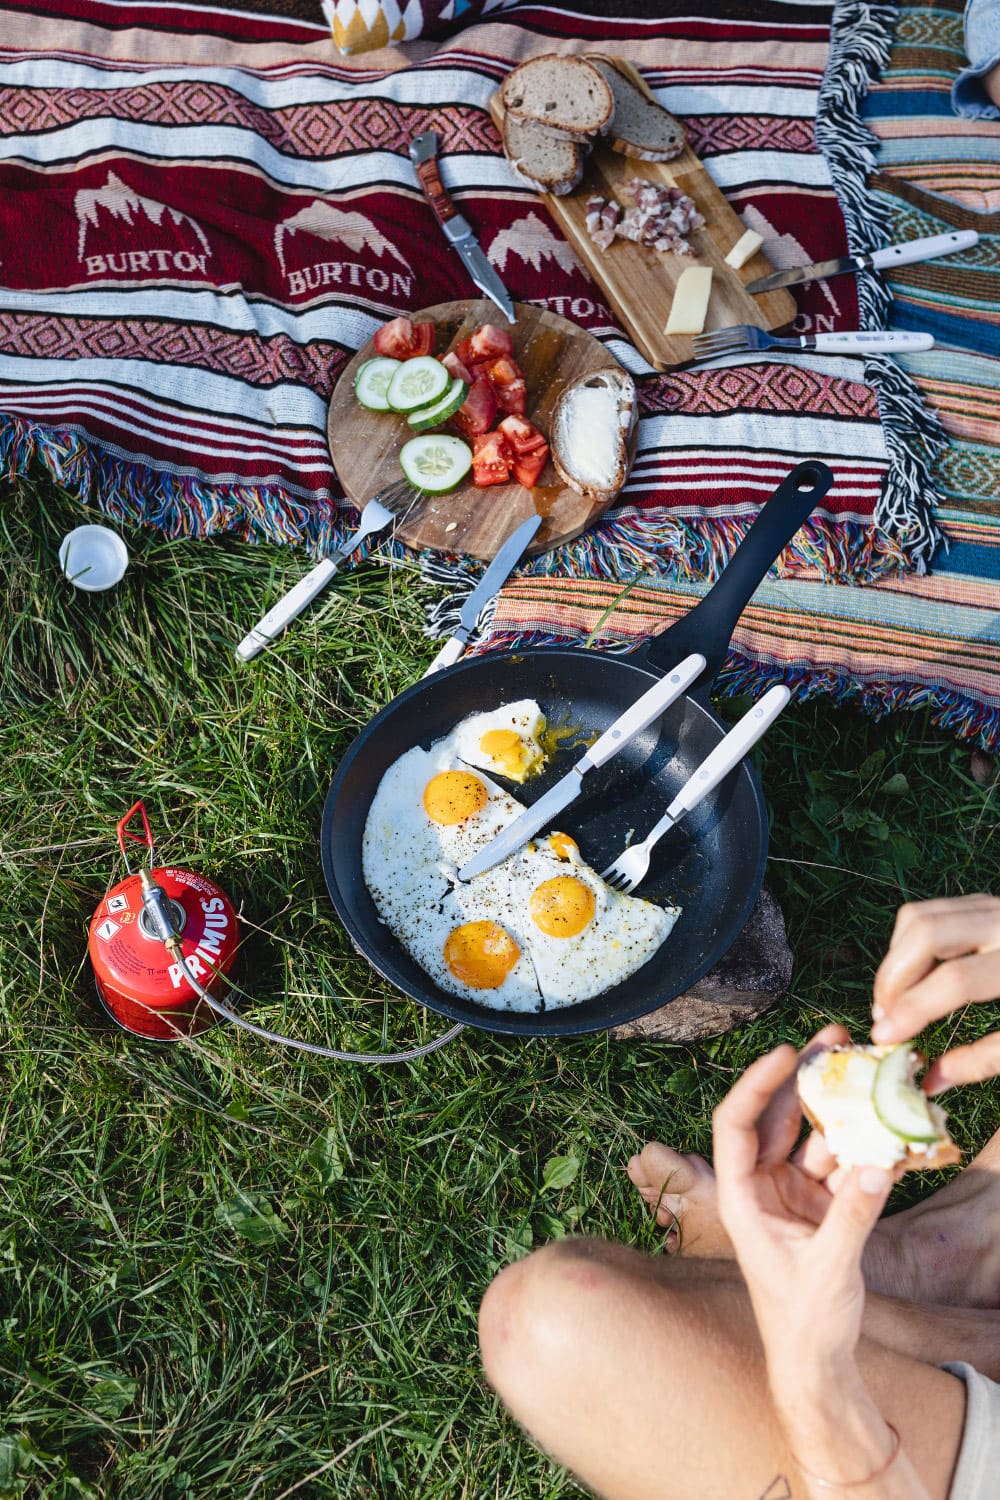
541,1312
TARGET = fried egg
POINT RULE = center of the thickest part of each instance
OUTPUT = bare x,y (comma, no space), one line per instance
504,741
430,814
583,937
539,930
467,951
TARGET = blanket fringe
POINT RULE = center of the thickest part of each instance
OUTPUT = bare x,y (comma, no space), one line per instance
176,505
950,710
860,44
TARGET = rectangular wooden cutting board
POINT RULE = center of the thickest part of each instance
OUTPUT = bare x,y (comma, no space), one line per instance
638,281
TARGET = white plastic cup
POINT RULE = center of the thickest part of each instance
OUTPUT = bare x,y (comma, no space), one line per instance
93,557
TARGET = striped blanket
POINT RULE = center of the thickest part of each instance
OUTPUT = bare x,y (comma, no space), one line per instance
206,211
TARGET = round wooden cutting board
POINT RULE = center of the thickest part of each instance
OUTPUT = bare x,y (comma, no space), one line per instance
365,445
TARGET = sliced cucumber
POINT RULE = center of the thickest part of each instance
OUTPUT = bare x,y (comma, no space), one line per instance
371,383
898,1102
439,411
435,462
417,383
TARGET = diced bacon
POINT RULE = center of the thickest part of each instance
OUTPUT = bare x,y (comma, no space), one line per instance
592,220
659,216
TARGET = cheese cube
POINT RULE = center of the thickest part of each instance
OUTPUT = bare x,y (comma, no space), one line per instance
744,248
690,304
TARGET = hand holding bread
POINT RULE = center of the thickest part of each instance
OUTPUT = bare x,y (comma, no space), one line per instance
799,1247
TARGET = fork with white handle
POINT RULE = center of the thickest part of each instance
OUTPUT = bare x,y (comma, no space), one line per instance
376,516
632,865
744,338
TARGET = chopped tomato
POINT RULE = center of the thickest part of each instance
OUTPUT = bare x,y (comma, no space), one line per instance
480,368
476,413
522,435
425,339
488,342
402,339
528,467
454,366
513,398
508,382
490,459
463,349
505,371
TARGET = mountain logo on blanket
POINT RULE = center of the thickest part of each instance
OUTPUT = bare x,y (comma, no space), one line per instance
356,233
532,242
785,254
99,211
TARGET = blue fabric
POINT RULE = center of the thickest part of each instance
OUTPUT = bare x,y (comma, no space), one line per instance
982,48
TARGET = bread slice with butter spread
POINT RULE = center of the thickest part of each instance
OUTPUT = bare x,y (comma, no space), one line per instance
591,432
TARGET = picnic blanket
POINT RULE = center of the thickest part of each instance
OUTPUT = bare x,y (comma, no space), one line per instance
904,165
206,211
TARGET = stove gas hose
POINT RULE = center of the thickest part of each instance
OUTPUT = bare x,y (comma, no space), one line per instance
156,904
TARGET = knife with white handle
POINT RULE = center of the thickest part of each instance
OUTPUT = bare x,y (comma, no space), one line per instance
906,254
643,712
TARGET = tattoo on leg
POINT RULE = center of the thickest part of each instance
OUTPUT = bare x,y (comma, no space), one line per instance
778,1489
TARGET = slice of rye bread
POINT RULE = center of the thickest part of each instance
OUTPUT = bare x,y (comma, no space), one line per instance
640,127
565,95
590,432
940,1153
547,162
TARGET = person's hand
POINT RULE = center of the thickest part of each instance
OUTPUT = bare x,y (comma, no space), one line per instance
797,1243
943,955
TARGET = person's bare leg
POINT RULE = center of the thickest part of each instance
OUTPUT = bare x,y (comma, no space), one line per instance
945,1249
644,1375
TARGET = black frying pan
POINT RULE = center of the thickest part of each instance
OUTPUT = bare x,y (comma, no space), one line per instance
712,864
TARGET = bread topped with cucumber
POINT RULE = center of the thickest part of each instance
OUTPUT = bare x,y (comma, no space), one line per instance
868,1106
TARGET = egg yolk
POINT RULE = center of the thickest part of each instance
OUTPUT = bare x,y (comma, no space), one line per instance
481,954
453,796
507,750
562,907
562,846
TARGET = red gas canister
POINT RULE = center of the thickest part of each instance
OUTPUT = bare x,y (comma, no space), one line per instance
139,981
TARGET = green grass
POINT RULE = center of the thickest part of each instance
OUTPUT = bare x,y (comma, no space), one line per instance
227,1269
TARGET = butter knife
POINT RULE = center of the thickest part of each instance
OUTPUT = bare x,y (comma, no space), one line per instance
496,574
653,703
457,230
877,260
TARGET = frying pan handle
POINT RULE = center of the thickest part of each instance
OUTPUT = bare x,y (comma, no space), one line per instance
709,626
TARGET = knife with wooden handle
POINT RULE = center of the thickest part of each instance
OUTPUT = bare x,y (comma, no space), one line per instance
457,230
